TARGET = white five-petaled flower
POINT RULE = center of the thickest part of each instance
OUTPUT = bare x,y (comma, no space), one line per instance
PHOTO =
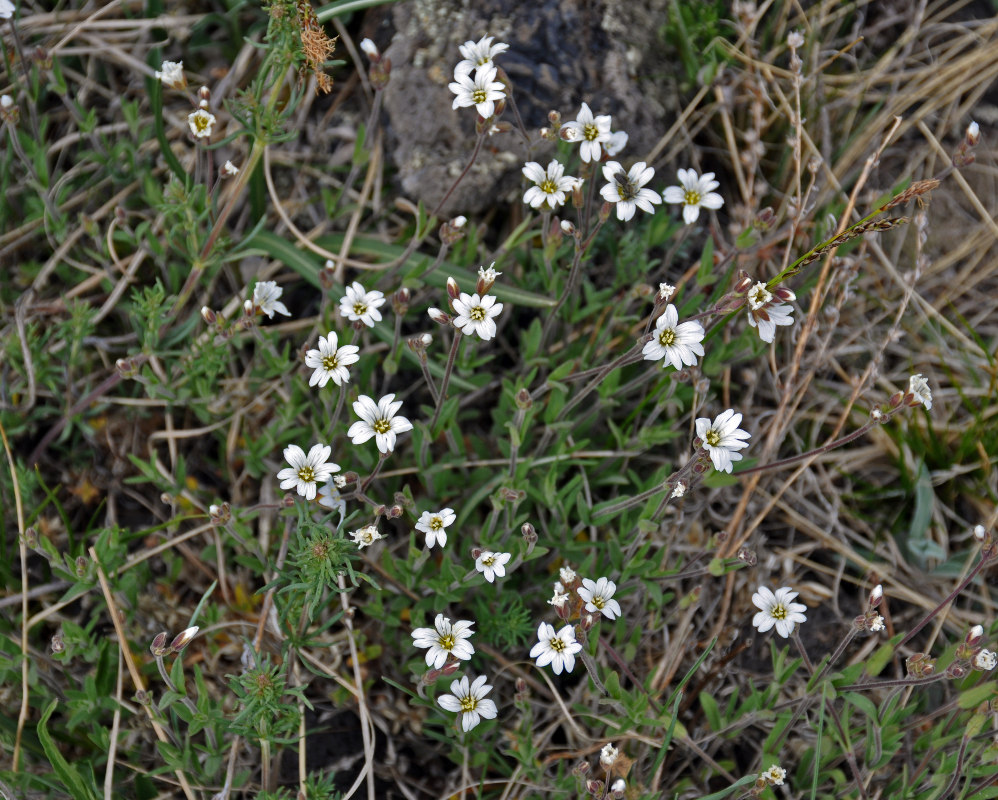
591,131
378,420
477,315
550,186
469,701
329,497
599,597
918,387
306,472
492,564
722,438
482,91
608,756
694,193
557,649
171,73
767,312
777,610
674,342
201,122
365,536
265,298
434,526
479,54
624,189
445,639
330,362
360,304
985,660
775,775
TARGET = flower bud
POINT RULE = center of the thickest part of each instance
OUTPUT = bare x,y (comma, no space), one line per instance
208,315
438,316
204,95
228,170
370,49
748,557
453,290
975,635
158,647
618,788
980,532
58,644
876,595
184,638
568,227
595,788
529,533
400,301
973,135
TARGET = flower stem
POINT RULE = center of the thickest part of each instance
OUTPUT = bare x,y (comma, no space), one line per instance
451,358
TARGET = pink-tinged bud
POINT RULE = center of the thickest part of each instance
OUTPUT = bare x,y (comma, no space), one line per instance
876,595
208,315
453,290
764,219
604,212
184,638
204,95
568,227
975,635
438,316
450,668
748,557
248,307
784,295
595,788
743,282
327,276
159,647
973,135
82,562
58,645
554,117
529,533
618,788
980,533
400,301
452,231
370,49
581,768
475,553
288,501
31,537
394,512
586,622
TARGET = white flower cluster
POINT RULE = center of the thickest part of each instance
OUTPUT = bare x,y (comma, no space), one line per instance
482,91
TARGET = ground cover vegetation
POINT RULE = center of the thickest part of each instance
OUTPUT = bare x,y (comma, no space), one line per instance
673,475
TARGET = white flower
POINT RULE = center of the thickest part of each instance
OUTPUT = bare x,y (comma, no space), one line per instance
482,91
877,624
6,101
360,304
591,131
985,660
678,491
618,787
775,775
306,472
469,701
6,9
378,420
171,73
550,186
598,596
665,292
674,342
433,525
557,649
492,564
980,532
919,388
201,122
694,193
365,536
567,575
370,48
559,598
476,315
765,313
488,274
616,143
722,438
229,170
625,190
795,39
265,298
778,610
329,497
445,639
330,362
973,134
479,54
608,756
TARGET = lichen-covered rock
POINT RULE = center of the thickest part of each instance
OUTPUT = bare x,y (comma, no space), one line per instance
562,53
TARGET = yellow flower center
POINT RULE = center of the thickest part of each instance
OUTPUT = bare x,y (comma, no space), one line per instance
599,602
468,704
488,561
381,426
713,438
477,314
201,122
779,611
667,337
548,186
691,197
306,474
436,523
479,96
556,644
447,641
360,308
330,362
590,132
